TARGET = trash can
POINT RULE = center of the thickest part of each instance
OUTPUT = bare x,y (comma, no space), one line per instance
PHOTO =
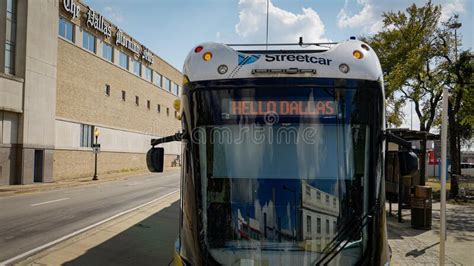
421,207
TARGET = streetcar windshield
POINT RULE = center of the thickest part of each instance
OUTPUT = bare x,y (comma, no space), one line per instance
283,169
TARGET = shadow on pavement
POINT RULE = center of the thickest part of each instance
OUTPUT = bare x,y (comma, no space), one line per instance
459,223
149,242
398,230
419,252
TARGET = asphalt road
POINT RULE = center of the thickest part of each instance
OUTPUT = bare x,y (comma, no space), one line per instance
31,220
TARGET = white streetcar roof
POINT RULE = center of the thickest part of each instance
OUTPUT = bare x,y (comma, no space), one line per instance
228,63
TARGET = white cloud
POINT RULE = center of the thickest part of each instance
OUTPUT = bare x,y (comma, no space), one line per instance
284,26
365,19
113,14
451,8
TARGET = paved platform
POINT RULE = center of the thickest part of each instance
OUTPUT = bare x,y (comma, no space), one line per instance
421,247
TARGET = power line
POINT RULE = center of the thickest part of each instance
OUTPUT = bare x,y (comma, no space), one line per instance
266,40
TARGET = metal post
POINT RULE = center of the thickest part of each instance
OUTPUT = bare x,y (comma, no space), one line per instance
423,161
400,197
444,133
95,163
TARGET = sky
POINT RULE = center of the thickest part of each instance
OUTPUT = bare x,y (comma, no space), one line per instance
171,28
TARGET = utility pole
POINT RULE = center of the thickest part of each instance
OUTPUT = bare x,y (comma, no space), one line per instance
444,136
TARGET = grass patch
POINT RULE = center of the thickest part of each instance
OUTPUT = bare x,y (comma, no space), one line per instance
435,184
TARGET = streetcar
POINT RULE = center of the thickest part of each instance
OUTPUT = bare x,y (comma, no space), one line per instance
282,156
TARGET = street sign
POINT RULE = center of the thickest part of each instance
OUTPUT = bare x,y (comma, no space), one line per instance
96,148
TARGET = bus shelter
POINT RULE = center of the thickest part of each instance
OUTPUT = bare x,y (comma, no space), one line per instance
400,189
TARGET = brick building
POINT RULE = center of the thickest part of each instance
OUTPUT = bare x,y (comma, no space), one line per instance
65,72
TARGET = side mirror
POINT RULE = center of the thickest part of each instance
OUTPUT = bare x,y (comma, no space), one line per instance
154,159
408,163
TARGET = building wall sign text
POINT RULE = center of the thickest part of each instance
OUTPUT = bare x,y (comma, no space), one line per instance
147,56
127,42
71,7
121,39
97,21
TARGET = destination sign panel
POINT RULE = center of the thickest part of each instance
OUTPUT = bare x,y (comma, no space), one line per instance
283,108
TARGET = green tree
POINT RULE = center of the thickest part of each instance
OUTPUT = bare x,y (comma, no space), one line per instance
409,52
419,58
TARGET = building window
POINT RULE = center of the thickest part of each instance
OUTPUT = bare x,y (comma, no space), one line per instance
137,100
148,74
167,84
107,52
107,89
308,191
327,199
318,225
123,60
158,108
9,58
334,202
88,41
124,94
11,8
87,135
137,68
168,111
308,224
318,195
148,104
175,89
327,227
66,29
10,38
157,79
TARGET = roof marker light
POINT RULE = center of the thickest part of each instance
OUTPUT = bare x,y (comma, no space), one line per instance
365,47
357,54
207,56
198,49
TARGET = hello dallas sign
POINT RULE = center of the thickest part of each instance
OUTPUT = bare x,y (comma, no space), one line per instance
97,22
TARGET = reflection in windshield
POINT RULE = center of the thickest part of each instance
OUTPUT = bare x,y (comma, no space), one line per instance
251,214
278,186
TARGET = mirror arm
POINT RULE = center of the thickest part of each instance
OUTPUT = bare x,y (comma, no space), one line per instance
176,137
397,140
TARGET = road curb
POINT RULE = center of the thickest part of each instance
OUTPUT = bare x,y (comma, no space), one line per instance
13,190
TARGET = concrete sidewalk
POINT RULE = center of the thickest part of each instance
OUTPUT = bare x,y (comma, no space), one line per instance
143,237
83,181
421,247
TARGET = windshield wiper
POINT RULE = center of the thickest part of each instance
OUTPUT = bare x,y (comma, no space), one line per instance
347,232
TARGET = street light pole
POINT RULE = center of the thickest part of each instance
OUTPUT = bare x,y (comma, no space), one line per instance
444,133
444,136
96,151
